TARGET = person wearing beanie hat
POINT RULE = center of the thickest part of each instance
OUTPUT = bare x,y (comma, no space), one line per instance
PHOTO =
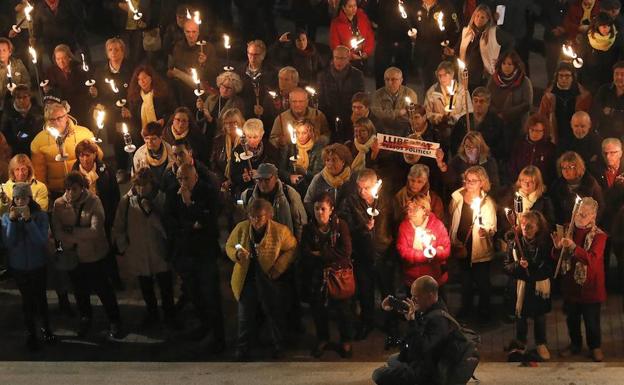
25,236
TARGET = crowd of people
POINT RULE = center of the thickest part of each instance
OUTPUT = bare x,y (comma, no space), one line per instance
285,150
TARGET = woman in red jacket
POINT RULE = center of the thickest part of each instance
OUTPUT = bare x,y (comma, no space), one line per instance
423,243
352,28
583,280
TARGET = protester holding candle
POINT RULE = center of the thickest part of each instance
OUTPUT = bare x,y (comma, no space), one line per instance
155,153
529,263
373,255
573,181
418,182
301,161
364,147
18,72
44,147
126,23
583,280
352,28
181,127
149,100
224,143
22,120
472,227
388,104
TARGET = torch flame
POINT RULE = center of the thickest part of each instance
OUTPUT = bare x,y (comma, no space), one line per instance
440,18
188,14
99,118
376,188
27,10
226,42
33,54
402,10
310,90
568,51
293,134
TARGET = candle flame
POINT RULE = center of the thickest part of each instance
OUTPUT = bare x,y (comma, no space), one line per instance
293,134
188,14
194,75
408,100
476,205
27,10
356,42
425,239
451,88
412,32
239,132
197,18
33,54
273,94
54,132
111,82
375,190
124,128
310,90
568,51
578,200
402,10
461,64
85,67
99,118
9,71
226,41
440,18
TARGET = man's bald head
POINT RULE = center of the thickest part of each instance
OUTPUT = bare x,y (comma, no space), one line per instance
581,124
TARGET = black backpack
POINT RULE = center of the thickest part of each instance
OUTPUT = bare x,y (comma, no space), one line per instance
460,356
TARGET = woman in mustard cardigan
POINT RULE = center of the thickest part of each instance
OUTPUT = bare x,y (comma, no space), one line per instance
262,251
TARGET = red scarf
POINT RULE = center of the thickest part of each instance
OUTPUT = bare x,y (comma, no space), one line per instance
508,82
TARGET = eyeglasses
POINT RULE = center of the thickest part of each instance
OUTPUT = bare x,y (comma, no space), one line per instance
532,129
257,217
570,167
58,118
471,181
181,120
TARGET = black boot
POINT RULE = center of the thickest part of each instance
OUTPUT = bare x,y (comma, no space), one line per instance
64,305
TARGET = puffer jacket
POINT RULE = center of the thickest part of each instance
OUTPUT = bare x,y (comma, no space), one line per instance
275,252
26,242
85,217
44,150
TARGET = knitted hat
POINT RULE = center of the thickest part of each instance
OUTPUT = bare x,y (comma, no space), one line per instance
21,190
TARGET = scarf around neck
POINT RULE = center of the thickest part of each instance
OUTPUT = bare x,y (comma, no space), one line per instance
601,42
148,112
338,180
303,159
508,82
91,176
157,160
359,162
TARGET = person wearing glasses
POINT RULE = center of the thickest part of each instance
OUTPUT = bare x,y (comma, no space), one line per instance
472,228
44,147
262,250
155,153
182,128
573,181
535,149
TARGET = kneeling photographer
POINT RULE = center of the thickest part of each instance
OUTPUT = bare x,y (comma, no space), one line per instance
436,349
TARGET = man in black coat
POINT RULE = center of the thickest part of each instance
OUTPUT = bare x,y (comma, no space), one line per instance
21,120
337,85
190,213
59,22
426,341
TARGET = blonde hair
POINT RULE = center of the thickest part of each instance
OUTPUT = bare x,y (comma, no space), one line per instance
20,160
420,199
253,126
482,174
476,138
116,40
66,50
571,157
292,71
535,173
232,78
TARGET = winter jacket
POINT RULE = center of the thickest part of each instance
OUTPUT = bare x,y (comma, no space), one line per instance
563,197
341,33
85,218
39,194
44,150
279,133
237,165
559,109
319,185
482,248
140,235
195,139
415,264
139,160
276,252
20,130
541,154
613,195
315,164
287,210
26,241
19,75
608,112
71,87
387,108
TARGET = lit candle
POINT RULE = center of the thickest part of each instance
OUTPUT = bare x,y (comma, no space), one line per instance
355,44
129,146
440,19
315,100
372,211
99,122
402,10
85,67
246,155
111,83
60,156
198,91
227,46
426,239
27,17
136,15
293,141
568,51
451,91
273,94
476,209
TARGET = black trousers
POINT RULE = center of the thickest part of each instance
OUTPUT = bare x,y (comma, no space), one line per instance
374,272
590,313
202,285
32,287
165,283
260,292
477,274
90,278
321,310
539,329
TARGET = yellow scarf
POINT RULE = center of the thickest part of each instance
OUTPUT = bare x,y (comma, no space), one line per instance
91,176
360,159
587,12
338,180
600,42
148,113
179,137
229,146
158,162
303,160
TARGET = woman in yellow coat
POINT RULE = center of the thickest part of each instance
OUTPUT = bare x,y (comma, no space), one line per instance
262,250
44,147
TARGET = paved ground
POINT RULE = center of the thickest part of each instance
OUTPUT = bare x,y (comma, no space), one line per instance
357,373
